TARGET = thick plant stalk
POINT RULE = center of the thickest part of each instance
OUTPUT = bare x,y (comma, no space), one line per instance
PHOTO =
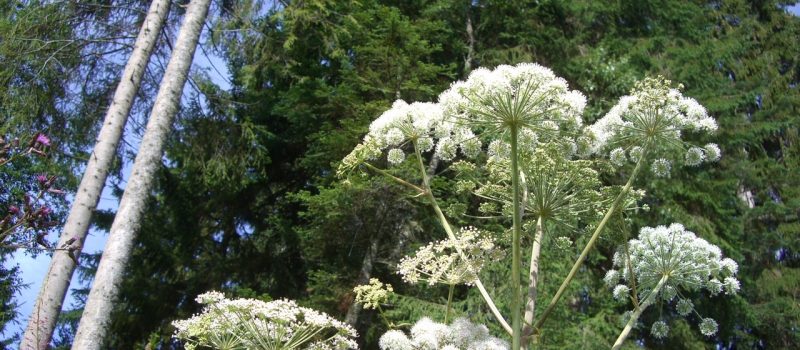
516,258
97,312
54,288
451,288
590,244
635,316
533,273
451,235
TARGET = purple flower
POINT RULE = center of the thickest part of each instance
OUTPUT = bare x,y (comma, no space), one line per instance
13,210
42,139
42,179
45,211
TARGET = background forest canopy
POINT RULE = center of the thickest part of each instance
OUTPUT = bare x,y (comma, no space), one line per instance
247,201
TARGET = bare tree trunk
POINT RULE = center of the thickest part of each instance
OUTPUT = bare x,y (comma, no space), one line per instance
470,42
97,312
42,321
363,278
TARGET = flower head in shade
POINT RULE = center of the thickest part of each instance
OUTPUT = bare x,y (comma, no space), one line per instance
426,334
440,261
685,261
659,329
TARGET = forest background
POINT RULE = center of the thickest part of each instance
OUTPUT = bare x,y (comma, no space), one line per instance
247,202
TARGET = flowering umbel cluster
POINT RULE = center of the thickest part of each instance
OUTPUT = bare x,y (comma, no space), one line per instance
527,95
666,260
441,262
429,335
649,123
374,294
254,324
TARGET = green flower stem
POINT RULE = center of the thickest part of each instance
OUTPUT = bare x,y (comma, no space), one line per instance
638,312
516,259
395,178
449,302
614,206
383,317
530,306
451,235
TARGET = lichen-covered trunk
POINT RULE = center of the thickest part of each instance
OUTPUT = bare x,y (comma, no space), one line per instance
42,321
105,288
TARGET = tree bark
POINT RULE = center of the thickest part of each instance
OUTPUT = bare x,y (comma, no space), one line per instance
42,321
470,43
354,311
97,312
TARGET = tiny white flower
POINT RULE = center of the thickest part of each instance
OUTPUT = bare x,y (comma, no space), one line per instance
684,307
714,286
446,149
425,144
713,153
612,278
621,292
731,285
395,156
708,327
618,157
661,167
395,340
659,329
636,153
694,156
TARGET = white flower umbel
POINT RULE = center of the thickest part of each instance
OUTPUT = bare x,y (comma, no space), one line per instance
666,259
654,117
255,324
526,96
426,334
440,261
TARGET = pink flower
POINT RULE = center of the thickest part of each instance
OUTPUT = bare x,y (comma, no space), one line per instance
42,139
42,179
13,210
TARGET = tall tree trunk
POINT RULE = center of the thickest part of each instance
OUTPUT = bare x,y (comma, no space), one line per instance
470,42
42,321
363,278
97,312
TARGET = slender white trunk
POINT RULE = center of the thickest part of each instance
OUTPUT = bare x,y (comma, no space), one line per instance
470,43
42,321
97,312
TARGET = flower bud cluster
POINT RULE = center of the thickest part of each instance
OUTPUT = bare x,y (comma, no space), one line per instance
253,324
441,262
429,335
685,260
374,294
